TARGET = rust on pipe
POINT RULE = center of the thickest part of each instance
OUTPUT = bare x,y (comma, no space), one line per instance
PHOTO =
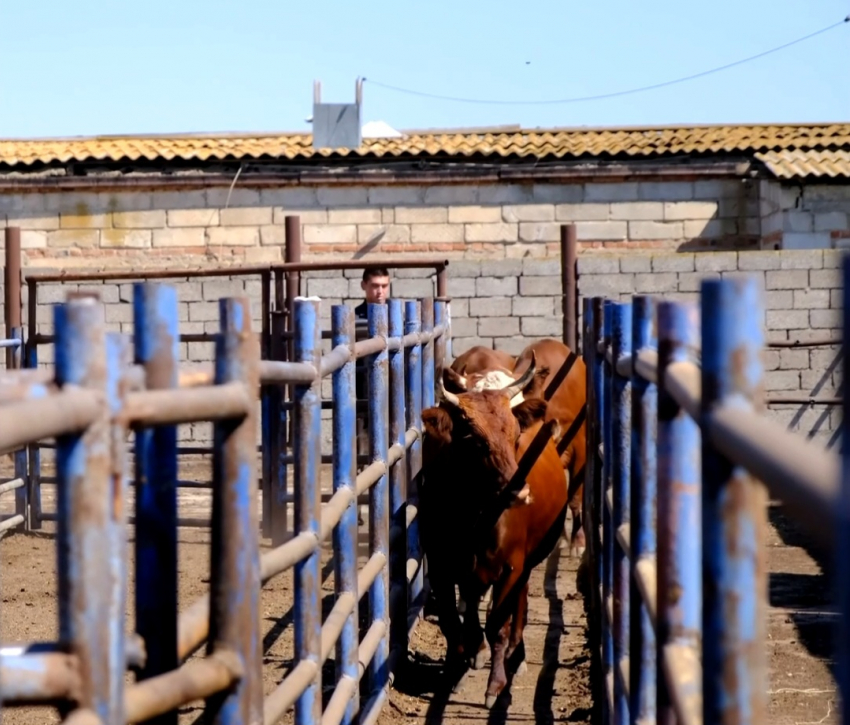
12,288
194,680
569,296
68,411
188,405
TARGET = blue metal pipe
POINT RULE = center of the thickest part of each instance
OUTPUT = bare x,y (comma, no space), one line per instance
621,435
413,408
679,484
842,524
379,532
85,528
344,474
33,450
597,374
156,337
398,509
428,380
20,457
440,318
607,528
308,449
733,512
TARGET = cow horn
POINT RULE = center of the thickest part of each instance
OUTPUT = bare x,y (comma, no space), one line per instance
450,398
519,385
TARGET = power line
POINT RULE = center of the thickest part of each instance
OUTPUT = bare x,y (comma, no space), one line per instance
615,94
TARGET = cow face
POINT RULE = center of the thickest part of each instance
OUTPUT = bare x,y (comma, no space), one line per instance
480,430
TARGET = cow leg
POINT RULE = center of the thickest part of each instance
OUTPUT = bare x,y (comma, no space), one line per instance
515,655
473,637
505,594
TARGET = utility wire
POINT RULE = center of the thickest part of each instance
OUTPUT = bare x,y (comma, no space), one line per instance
615,94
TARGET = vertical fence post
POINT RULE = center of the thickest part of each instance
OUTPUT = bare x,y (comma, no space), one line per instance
269,414
379,494
277,507
733,511
12,290
841,521
234,551
428,379
307,423
597,423
569,298
440,318
679,518
398,508
606,519
33,449
85,524
344,475
643,507
157,349
621,434
413,408
22,504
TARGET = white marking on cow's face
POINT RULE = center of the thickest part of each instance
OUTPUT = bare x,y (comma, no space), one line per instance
495,380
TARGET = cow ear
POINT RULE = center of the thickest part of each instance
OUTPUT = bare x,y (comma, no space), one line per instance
529,411
535,388
438,424
453,382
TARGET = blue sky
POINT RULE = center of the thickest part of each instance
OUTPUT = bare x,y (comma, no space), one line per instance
111,67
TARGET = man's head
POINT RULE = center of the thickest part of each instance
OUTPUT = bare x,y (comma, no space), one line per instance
376,284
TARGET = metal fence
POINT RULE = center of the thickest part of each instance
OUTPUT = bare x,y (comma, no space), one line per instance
679,452
96,394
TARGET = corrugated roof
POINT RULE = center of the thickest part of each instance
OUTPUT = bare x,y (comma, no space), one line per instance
794,164
556,143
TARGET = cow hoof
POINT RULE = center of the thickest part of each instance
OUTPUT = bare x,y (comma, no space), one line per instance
577,552
490,700
480,659
522,669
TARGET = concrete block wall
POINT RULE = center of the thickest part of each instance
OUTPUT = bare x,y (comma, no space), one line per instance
803,301
805,216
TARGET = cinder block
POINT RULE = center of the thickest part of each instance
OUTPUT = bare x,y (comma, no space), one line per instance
832,258
495,287
798,221
542,326
330,233
793,359
801,259
498,326
602,231
474,214
692,281
33,239
501,268
421,215
501,194
715,189
787,319
710,228
353,216
245,216
232,237
189,291
615,191
327,287
656,283
607,285
127,238
391,233
464,326
779,299
179,237
118,313
787,279
465,268
825,279
811,299
412,288
424,233
511,345
497,232
451,195
396,195
216,289
342,196
200,351
73,238
490,307
825,319
782,380
539,286
528,213
557,193
599,264
656,230
461,287
638,211
715,261
665,190
541,267
687,210
771,359
681,262
461,344
305,216
806,240
192,217
75,221
583,212
460,307
151,219
296,197
533,306
829,221
539,231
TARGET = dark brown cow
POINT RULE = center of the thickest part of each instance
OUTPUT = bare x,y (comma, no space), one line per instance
560,380
488,515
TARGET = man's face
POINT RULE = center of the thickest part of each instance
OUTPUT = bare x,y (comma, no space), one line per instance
377,289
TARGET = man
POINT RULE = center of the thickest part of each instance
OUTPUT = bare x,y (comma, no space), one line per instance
376,289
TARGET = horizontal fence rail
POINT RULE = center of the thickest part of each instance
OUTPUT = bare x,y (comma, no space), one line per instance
101,388
680,456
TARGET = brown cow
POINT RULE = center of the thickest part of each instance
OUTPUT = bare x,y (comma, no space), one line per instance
480,359
489,515
561,380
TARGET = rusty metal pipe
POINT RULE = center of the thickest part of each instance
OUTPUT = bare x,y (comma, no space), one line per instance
287,692
683,381
194,680
69,411
12,288
569,296
272,371
39,678
188,405
12,485
334,360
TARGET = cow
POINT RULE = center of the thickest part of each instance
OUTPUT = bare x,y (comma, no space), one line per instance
489,515
479,359
560,379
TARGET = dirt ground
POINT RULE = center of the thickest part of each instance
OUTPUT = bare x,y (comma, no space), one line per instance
556,686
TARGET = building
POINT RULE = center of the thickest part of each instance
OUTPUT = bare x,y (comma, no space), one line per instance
466,193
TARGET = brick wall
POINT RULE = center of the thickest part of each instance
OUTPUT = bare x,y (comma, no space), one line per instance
803,301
